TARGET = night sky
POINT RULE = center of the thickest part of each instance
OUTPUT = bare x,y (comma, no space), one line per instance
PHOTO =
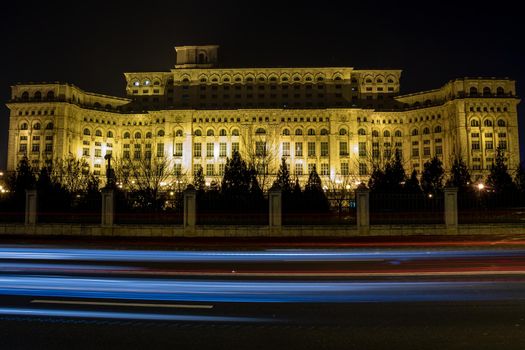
90,44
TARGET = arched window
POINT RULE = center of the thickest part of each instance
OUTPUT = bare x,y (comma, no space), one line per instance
87,132
398,133
415,132
222,132
386,133
473,91
486,91
428,102
25,96
98,133
108,106
160,133
324,131
110,134
38,96
96,105
260,131
342,131
23,126
149,135
487,122
311,132
298,131
375,133
49,126
474,122
437,129
501,122
178,133
368,81
202,58
361,132
127,135
426,131
138,135
500,91
50,95
210,133
235,132
286,132
198,132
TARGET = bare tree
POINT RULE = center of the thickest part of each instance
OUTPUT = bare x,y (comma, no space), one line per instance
261,151
73,174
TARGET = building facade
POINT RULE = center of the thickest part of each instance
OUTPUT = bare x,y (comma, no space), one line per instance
339,119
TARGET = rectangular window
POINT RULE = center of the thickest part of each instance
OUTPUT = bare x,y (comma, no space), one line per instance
160,150
343,148
387,153
49,147
363,169
221,169
502,134
325,170
489,145
85,143
125,154
209,169
209,149
502,144
196,168
362,149
475,145
197,150
344,169
260,148
147,154
439,150
426,151
178,149
23,147
298,169
415,152
324,149
222,149
36,138
235,147
177,169
98,152
311,149
23,138
298,149
488,134
286,149
375,153
311,167
474,134
438,140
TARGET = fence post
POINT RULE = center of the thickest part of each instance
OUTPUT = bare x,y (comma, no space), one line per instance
31,207
275,207
362,196
190,208
451,209
108,206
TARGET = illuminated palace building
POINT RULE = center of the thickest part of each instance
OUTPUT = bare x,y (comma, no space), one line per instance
338,119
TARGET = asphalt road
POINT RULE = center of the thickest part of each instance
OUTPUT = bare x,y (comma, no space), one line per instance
429,297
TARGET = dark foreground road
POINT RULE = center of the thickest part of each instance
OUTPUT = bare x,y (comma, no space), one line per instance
373,298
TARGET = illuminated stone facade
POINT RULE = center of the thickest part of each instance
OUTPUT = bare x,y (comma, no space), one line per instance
340,119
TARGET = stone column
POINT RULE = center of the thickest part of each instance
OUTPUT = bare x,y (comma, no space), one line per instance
108,206
451,209
190,208
362,198
31,207
275,208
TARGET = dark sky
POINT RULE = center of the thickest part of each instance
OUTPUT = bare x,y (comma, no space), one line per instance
90,44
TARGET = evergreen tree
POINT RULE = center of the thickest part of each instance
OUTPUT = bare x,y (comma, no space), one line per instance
24,178
459,175
314,195
519,179
412,184
432,177
198,180
237,177
499,178
376,183
283,178
394,174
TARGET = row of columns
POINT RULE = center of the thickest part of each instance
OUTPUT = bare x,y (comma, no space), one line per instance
275,209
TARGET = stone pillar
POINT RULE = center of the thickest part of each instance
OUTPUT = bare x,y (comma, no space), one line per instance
31,207
275,208
108,206
451,209
190,208
362,199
